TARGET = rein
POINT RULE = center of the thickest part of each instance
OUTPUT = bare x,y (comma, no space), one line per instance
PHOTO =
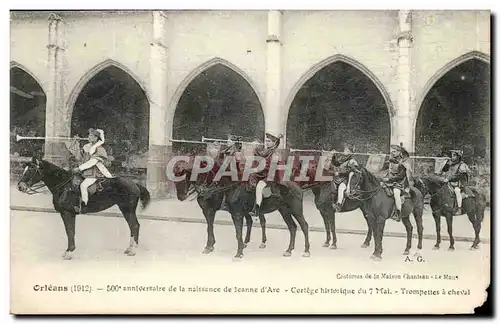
358,193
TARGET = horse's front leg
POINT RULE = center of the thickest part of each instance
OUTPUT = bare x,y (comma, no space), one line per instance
209,214
292,228
369,233
238,226
437,221
249,222
326,221
409,233
377,223
262,219
69,224
449,223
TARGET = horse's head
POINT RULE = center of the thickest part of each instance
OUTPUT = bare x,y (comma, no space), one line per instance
32,174
182,169
420,184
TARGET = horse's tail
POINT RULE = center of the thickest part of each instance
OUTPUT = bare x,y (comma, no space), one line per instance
144,196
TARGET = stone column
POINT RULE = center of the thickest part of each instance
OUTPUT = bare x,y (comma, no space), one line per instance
273,115
56,123
159,149
403,119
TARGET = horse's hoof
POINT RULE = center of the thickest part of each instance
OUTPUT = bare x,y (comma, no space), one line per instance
406,252
474,247
364,245
238,257
451,248
333,247
326,244
436,247
131,253
127,251
67,255
262,246
417,253
287,254
306,254
245,245
207,250
376,257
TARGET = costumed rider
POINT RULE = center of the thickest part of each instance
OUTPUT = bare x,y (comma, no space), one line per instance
232,146
399,176
267,151
457,175
345,165
92,168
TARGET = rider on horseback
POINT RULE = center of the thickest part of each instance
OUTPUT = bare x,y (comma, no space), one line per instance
267,152
345,165
94,157
399,176
457,175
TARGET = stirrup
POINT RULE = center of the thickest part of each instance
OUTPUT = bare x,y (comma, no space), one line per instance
396,215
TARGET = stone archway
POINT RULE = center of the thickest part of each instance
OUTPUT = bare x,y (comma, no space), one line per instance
340,104
455,112
27,112
114,101
217,102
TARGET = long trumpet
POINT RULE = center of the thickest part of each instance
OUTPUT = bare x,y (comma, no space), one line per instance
204,139
305,150
186,141
19,138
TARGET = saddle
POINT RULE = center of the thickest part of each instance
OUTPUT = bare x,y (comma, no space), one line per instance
389,189
92,189
466,192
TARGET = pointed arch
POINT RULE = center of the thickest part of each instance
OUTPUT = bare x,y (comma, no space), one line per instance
70,103
442,72
434,81
330,60
14,64
196,72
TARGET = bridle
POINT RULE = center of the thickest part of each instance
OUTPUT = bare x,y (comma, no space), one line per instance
357,194
35,187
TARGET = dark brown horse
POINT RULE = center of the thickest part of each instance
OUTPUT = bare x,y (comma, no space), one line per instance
443,204
325,193
379,205
210,198
118,191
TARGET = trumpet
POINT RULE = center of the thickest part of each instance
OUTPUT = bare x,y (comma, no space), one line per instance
205,139
19,138
305,150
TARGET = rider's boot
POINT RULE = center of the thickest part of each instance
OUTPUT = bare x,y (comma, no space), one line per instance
255,211
396,215
337,207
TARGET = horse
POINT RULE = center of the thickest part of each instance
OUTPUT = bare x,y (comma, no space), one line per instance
380,205
210,199
108,192
240,199
443,203
325,193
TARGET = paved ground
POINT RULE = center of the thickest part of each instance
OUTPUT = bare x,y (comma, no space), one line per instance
352,222
170,255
